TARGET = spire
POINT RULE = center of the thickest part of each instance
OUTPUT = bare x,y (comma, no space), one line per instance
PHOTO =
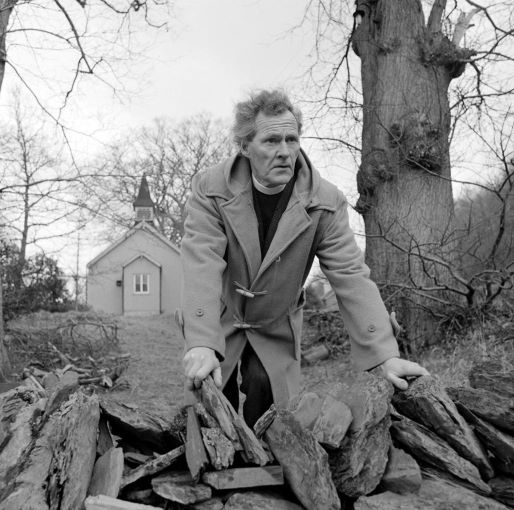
143,204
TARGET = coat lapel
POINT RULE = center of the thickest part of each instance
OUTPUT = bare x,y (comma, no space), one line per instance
243,222
293,222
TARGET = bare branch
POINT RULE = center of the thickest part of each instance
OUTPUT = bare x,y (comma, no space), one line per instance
436,16
463,23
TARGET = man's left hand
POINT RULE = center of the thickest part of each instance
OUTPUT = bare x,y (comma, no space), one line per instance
394,369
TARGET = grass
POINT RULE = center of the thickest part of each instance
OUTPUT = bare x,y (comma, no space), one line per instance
154,373
452,360
155,381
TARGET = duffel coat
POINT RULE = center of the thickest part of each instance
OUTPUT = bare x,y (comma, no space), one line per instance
230,296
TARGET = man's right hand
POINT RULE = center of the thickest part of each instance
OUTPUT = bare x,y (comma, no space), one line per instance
198,363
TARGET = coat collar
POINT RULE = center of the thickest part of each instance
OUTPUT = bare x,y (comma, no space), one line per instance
238,177
241,216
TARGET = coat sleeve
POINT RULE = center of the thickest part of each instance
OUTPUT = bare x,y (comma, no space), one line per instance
364,313
202,256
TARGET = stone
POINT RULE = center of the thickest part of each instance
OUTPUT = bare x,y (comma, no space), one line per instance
19,410
261,500
107,474
497,443
402,474
244,477
327,418
426,402
102,502
359,464
210,504
502,489
142,428
433,495
430,450
59,465
493,375
304,462
180,488
492,407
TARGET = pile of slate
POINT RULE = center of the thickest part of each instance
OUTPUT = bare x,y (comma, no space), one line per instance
359,445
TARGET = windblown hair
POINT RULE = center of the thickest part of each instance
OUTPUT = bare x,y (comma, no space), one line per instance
269,102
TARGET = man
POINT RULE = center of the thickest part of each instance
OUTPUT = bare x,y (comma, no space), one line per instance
254,224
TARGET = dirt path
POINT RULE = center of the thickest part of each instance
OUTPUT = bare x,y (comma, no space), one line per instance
154,373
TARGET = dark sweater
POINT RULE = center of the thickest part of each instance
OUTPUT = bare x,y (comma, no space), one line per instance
269,210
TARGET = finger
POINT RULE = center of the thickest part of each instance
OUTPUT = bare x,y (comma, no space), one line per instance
188,360
195,367
206,368
216,375
398,382
410,369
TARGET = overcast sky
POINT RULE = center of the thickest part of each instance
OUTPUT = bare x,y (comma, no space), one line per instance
211,56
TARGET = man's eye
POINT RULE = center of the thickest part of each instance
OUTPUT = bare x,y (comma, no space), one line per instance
292,139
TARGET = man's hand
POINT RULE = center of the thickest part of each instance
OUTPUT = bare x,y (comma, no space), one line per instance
198,363
396,368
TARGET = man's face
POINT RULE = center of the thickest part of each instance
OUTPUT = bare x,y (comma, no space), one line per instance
274,148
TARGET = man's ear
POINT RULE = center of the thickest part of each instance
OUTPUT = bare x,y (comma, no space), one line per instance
244,148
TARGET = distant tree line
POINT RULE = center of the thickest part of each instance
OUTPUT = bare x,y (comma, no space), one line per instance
37,284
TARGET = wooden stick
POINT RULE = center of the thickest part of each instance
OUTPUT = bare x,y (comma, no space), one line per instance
196,457
219,406
214,402
102,502
153,466
239,478
221,451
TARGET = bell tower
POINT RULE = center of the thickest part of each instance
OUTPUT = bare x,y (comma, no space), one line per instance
143,204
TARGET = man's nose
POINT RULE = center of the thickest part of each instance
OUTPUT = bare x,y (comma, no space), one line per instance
283,150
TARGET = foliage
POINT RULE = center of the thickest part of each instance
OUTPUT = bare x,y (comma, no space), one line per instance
479,215
326,328
33,338
36,285
170,154
487,335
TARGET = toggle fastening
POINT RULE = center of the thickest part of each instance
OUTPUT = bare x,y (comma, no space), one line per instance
241,289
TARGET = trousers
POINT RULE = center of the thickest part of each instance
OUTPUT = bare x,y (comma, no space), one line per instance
255,384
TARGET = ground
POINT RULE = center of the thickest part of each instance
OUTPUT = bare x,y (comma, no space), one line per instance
155,372
154,380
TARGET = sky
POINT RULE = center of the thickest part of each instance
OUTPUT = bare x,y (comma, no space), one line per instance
209,57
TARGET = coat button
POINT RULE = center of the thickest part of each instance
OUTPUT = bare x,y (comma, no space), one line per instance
372,328
199,312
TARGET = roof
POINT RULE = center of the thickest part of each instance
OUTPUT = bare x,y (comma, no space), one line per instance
142,256
139,226
143,198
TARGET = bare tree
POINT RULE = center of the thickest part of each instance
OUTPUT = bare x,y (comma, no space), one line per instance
35,179
485,221
94,37
408,64
169,154
80,29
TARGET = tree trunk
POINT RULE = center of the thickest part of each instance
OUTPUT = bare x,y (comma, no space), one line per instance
5,366
6,7
404,180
